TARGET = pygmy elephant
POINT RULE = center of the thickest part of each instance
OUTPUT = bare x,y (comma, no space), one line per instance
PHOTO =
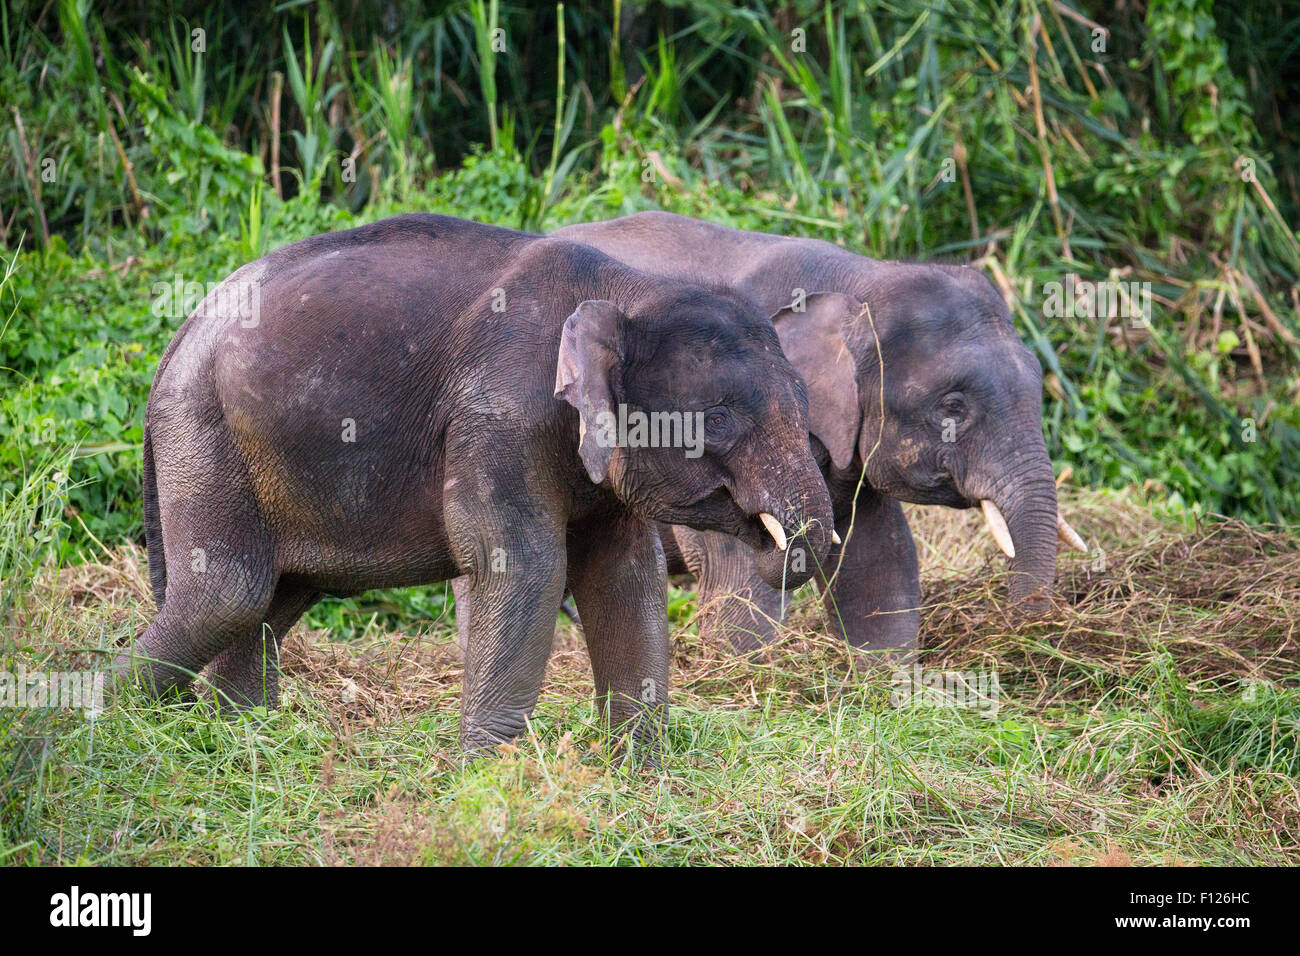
425,398
919,390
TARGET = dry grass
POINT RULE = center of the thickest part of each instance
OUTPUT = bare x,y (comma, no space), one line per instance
1150,716
1225,598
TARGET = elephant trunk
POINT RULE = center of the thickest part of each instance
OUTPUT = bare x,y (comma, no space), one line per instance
804,520
1023,495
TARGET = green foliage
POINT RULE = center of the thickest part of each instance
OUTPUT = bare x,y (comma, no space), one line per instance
201,182
1186,37
407,611
854,124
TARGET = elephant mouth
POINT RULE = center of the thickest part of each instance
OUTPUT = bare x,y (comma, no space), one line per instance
722,513
757,535
786,550
765,533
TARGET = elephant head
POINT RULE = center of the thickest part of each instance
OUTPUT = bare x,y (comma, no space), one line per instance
945,408
690,410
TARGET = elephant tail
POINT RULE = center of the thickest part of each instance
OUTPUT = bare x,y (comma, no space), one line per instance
153,539
153,525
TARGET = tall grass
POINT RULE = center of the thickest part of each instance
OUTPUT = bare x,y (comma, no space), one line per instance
31,524
1037,139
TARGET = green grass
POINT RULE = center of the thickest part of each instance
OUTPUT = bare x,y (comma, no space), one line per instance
1138,723
822,773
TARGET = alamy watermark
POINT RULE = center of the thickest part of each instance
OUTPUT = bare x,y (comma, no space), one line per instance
633,428
133,911
231,298
67,690
972,690
1106,299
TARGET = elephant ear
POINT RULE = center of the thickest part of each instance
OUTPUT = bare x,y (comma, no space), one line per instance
811,333
588,353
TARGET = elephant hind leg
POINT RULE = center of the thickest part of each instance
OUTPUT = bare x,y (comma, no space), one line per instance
188,633
247,673
220,582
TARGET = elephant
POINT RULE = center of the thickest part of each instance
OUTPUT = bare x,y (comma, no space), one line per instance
426,397
925,394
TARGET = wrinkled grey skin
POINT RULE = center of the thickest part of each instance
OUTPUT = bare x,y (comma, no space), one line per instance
951,358
473,454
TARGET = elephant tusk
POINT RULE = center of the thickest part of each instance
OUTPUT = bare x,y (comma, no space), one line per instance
835,538
774,529
1068,534
998,527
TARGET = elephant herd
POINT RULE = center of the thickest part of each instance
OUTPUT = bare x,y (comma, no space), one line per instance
427,398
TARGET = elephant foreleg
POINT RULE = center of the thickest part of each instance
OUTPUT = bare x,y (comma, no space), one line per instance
460,588
514,585
874,594
735,604
617,575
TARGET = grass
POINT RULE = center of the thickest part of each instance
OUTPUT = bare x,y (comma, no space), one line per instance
1153,717
1013,135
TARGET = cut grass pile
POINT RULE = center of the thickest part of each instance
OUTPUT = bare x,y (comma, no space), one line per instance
1152,716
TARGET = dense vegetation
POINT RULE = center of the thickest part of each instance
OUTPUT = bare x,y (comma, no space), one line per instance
956,130
148,148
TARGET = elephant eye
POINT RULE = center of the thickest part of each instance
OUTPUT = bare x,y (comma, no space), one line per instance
953,404
716,421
